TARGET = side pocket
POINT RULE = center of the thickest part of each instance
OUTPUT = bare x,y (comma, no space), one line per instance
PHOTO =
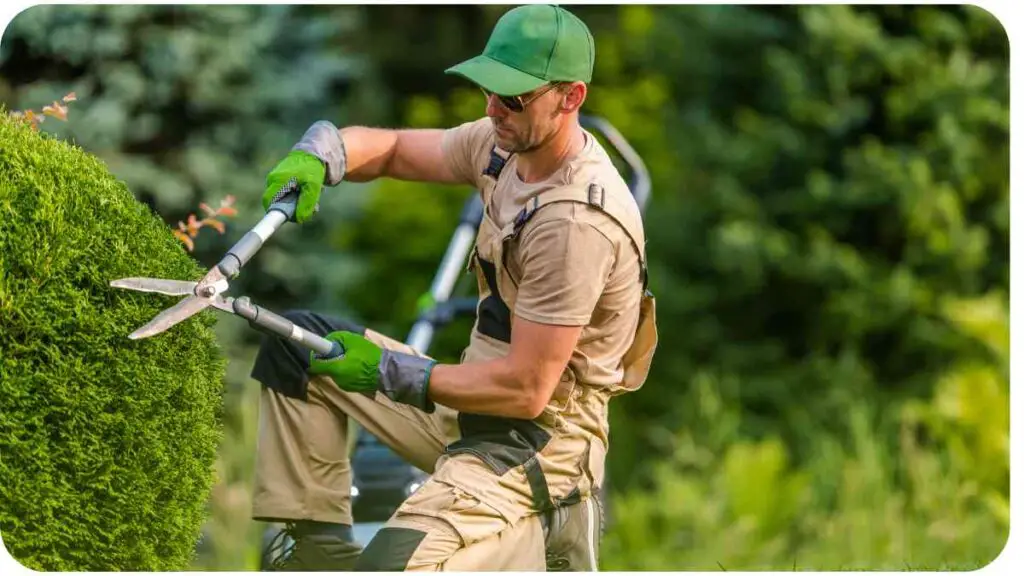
471,518
495,456
637,361
563,391
501,443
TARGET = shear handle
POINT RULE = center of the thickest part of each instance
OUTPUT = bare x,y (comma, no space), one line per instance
281,210
268,321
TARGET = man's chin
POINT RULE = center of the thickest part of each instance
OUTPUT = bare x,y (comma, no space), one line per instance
504,142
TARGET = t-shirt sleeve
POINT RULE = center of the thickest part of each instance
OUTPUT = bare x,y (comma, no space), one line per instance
565,267
467,150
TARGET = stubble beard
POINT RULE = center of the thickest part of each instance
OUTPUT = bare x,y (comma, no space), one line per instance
525,143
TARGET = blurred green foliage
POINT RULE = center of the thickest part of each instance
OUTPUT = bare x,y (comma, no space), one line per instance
193,103
828,236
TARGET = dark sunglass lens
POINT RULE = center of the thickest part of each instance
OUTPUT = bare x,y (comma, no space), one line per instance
512,103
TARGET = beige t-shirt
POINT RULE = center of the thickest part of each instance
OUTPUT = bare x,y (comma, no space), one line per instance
574,264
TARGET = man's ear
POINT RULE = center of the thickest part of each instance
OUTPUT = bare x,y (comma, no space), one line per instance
573,96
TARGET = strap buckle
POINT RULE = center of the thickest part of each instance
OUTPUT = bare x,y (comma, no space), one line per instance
496,164
524,215
595,191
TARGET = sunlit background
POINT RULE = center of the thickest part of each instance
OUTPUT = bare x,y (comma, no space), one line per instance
828,235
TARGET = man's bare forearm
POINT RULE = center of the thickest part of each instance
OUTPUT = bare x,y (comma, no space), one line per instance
489,387
518,385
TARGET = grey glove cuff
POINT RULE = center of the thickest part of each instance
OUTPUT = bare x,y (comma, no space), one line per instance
404,378
323,140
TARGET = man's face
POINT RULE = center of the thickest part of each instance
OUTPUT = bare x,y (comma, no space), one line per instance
531,128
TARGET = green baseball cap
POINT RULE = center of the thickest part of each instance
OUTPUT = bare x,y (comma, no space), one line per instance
531,46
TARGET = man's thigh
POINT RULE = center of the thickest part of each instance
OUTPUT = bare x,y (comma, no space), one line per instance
282,366
440,527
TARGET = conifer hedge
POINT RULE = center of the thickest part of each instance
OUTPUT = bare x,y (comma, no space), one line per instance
107,445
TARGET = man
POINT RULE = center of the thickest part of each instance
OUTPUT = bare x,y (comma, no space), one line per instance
515,435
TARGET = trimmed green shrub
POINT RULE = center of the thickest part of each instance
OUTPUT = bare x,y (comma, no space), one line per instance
106,444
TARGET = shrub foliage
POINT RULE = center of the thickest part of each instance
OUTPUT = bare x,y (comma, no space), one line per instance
107,444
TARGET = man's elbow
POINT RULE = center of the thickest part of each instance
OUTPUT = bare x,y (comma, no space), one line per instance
533,396
535,407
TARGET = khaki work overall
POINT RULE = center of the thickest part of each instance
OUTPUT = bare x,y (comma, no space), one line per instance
504,494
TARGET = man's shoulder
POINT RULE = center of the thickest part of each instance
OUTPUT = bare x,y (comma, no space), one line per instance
466,147
471,138
568,208
477,132
595,198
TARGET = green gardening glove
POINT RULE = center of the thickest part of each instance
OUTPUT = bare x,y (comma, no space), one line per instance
315,160
308,172
364,367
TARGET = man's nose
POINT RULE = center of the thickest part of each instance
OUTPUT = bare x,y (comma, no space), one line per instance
494,107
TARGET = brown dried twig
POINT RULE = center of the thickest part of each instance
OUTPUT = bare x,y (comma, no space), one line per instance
187,230
58,110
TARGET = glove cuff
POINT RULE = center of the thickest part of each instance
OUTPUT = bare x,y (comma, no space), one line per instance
323,140
404,378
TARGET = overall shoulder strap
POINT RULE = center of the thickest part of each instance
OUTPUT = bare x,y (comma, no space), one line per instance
592,194
496,164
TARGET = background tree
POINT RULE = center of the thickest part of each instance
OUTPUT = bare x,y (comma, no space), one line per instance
828,238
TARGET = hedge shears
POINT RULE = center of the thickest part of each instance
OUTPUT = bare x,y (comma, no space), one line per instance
209,291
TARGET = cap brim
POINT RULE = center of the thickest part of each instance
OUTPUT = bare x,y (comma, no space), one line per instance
496,77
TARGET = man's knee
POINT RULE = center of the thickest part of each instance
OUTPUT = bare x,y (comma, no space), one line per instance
410,542
282,364
390,550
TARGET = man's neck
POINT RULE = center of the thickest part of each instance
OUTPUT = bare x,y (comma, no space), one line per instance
539,164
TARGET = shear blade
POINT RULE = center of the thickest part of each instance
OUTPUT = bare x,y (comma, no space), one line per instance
173,315
158,285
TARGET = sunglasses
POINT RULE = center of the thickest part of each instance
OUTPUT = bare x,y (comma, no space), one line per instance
518,103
